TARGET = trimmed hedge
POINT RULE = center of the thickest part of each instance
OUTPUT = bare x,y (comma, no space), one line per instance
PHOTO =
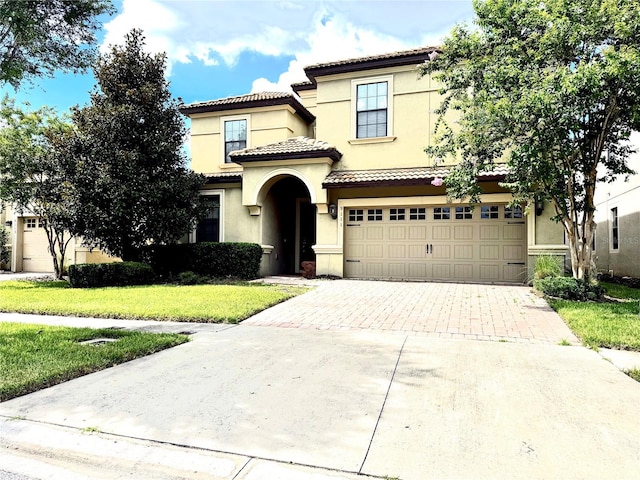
212,259
118,274
569,288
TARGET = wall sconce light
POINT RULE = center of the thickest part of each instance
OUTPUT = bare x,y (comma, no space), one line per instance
333,210
8,223
539,206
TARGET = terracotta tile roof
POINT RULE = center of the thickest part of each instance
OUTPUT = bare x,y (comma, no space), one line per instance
417,175
251,100
406,57
296,147
224,177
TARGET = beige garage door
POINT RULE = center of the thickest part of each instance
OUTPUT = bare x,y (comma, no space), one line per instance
452,243
35,254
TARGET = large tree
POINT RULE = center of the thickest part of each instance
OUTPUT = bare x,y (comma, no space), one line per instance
126,164
553,88
38,37
31,173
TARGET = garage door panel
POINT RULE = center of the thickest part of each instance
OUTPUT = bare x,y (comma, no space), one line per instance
489,232
513,252
486,245
398,270
463,271
489,252
513,232
417,233
397,233
441,271
463,252
35,253
375,251
463,232
441,232
490,272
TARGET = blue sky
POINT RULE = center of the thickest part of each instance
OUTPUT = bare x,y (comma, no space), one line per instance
219,48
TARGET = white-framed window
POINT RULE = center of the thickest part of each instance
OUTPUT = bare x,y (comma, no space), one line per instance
442,213
396,214
30,222
464,213
211,227
615,230
356,215
374,215
372,107
418,213
489,212
513,212
235,133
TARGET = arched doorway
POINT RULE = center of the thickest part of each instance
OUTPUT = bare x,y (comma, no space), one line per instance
289,225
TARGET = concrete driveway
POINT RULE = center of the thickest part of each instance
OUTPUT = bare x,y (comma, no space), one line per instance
250,402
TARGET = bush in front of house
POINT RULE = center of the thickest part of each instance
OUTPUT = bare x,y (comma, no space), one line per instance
569,288
211,259
117,274
548,266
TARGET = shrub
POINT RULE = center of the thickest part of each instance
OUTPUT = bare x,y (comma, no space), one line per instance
86,275
191,278
218,260
4,247
548,266
569,288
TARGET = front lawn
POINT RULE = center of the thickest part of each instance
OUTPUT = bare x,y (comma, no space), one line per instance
33,357
609,324
193,303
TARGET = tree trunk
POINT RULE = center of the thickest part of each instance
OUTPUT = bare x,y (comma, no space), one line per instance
580,239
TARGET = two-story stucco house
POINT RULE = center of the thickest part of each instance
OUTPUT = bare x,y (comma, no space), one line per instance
337,174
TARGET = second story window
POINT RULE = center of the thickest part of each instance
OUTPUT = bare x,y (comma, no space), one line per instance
371,110
235,137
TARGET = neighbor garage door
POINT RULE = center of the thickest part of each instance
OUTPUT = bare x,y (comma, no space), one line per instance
452,243
35,255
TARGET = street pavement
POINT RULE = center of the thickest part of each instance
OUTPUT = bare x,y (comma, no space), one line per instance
308,400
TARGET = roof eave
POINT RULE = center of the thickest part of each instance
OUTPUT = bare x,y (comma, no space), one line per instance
332,154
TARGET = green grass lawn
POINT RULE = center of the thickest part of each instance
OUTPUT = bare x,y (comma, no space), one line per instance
33,357
193,303
609,324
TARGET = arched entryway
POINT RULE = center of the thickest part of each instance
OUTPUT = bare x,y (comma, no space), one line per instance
288,224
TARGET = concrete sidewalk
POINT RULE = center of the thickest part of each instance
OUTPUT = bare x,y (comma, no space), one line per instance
271,403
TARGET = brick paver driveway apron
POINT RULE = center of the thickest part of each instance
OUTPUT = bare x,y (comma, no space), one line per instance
444,310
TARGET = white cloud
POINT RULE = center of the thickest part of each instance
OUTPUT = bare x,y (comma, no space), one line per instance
215,32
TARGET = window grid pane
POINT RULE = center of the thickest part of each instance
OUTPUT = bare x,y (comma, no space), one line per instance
356,215
464,213
442,213
489,211
374,215
615,243
397,214
417,214
235,137
371,108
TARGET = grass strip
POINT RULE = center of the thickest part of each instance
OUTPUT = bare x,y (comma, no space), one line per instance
193,303
33,357
610,325
622,292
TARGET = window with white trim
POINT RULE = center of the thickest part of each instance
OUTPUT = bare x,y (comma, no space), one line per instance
356,215
418,213
372,110
489,212
235,137
396,214
442,213
208,230
374,215
615,232
464,213
513,212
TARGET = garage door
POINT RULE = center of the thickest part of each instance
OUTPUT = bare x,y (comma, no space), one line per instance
451,243
35,254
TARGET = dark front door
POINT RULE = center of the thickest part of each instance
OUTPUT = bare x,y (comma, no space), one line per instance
307,231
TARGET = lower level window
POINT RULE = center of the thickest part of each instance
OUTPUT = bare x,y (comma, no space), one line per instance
209,228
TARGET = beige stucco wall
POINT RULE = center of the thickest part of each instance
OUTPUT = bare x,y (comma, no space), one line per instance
625,196
266,125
